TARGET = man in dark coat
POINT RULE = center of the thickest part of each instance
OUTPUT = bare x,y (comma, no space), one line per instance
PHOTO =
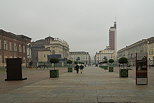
77,68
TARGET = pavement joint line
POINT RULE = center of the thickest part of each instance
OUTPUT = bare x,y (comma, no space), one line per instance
85,86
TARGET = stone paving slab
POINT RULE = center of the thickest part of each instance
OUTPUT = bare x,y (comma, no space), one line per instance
32,74
95,85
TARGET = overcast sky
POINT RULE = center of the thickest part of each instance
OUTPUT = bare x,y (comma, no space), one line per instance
84,24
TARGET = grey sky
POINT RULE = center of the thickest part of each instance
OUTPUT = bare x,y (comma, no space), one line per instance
84,24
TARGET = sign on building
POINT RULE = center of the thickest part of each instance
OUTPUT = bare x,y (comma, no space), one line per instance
54,56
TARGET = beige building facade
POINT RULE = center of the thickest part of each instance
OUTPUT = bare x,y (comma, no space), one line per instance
109,54
141,48
58,46
151,51
43,55
44,49
80,56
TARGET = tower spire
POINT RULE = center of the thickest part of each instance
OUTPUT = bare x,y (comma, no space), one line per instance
115,25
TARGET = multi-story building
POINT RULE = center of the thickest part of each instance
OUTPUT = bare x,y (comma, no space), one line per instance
141,48
110,51
80,56
44,49
151,50
108,54
112,37
13,46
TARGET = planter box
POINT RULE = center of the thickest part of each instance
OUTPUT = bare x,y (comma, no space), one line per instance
110,69
54,73
70,69
105,67
123,72
101,67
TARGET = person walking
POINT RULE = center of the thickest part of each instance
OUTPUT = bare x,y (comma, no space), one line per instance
77,68
81,68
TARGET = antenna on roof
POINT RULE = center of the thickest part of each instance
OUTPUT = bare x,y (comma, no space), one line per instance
115,22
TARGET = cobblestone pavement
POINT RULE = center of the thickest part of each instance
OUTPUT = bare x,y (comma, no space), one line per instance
94,85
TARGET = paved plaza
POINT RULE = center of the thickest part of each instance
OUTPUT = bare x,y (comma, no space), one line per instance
94,85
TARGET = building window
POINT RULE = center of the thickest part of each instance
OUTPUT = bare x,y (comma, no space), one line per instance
5,45
10,45
44,55
20,49
15,47
24,49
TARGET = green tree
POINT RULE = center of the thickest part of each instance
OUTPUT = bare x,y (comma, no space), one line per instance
111,61
104,60
69,62
123,61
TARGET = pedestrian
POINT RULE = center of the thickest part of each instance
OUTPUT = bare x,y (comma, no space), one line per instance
77,68
81,68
